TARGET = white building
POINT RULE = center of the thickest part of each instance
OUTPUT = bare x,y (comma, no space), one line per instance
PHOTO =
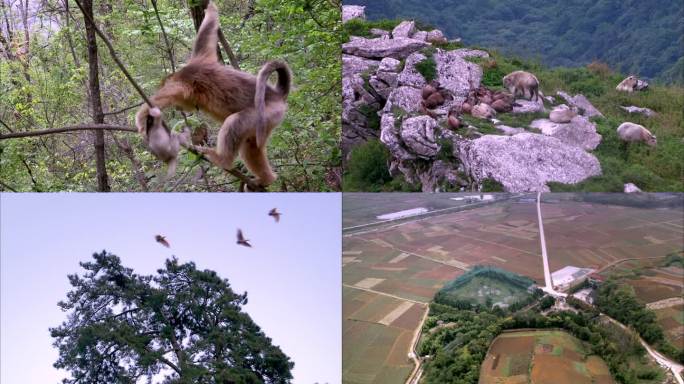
568,276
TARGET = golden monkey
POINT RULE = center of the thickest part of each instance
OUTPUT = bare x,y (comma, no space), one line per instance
628,84
247,105
163,143
521,82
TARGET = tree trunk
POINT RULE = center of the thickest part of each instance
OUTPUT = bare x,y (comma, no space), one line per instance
95,101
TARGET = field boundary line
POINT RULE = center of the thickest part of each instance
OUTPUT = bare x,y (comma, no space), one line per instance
385,294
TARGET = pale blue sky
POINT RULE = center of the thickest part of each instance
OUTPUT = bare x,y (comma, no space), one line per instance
292,275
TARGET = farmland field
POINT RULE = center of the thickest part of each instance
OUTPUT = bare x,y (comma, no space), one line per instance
391,271
541,357
672,321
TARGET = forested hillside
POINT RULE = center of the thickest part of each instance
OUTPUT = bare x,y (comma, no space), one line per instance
640,37
67,108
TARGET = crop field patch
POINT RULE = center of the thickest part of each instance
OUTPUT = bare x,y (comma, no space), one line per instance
541,357
672,321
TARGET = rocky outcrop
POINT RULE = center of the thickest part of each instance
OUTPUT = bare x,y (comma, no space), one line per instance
528,106
644,111
404,29
380,48
353,12
579,132
382,99
526,162
581,103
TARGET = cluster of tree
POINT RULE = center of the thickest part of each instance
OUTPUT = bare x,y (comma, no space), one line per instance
634,37
449,295
674,259
457,352
183,324
619,302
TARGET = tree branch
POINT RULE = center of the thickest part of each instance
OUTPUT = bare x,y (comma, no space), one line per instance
226,47
114,56
70,128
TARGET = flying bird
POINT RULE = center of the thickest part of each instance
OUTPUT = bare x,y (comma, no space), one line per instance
241,239
162,240
276,215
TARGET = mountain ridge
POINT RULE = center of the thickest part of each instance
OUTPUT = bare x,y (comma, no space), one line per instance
641,38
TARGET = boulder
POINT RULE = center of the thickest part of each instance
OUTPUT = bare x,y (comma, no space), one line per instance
526,162
436,36
644,111
383,83
420,35
455,73
350,12
418,135
506,130
528,106
581,103
378,48
404,98
579,132
404,29
390,135
352,64
389,64
410,75
631,188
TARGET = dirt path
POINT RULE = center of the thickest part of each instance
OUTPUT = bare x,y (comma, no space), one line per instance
665,303
414,377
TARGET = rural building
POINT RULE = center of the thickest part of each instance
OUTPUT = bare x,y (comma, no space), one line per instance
568,276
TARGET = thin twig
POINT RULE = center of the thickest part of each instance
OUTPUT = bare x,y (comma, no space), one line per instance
71,128
122,110
7,186
166,39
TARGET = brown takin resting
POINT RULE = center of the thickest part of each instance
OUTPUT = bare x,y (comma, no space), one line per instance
433,95
483,111
501,105
453,120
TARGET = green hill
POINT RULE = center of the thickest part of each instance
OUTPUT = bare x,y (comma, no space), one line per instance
640,37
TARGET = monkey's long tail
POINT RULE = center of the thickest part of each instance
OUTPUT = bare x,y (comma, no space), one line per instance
282,86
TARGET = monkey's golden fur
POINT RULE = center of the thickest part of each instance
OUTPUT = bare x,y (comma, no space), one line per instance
246,104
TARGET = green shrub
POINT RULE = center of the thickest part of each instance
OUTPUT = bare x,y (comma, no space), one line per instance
427,68
491,185
367,168
358,27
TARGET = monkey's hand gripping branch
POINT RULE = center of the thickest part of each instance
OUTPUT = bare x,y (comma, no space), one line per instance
244,179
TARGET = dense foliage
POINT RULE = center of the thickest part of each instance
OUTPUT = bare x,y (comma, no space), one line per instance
619,301
646,38
44,77
457,352
183,325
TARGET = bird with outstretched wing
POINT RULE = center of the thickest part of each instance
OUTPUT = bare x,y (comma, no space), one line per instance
275,214
162,240
241,239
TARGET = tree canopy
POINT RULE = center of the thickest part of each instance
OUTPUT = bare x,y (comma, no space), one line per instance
183,324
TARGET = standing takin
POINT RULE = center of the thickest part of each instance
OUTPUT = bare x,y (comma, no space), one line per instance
634,133
523,83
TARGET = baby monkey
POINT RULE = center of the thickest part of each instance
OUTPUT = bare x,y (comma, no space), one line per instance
163,143
247,105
